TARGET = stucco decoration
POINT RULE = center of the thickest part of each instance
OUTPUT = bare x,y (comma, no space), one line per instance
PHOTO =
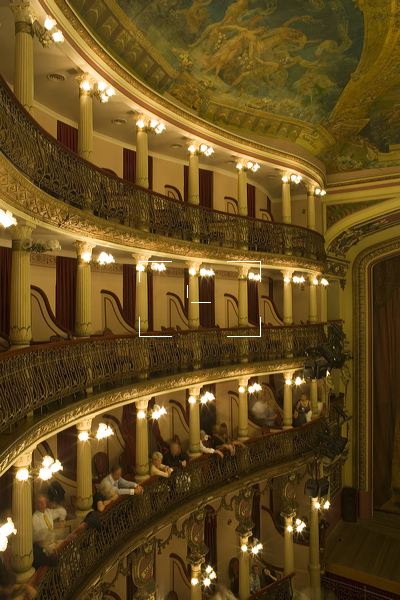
352,235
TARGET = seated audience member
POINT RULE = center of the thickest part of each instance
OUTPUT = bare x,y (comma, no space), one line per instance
206,446
218,441
92,519
115,484
55,493
175,457
157,467
255,580
301,411
224,435
268,577
264,412
45,539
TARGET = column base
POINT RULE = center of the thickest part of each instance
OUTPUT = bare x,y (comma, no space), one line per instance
287,426
243,438
82,513
25,576
142,477
194,454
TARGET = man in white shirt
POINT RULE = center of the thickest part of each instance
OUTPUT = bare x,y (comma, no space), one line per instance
43,524
114,484
205,445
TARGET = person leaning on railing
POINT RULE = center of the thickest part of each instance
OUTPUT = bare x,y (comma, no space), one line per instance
206,445
114,484
157,466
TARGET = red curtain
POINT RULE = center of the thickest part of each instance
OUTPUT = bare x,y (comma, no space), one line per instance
210,536
66,291
66,451
251,200
207,294
253,304
150,299
129,167
386,382
129,293
206,186
5,290
68,136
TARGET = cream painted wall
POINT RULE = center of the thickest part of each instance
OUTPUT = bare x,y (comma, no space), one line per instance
162,284
45,279
103,280
224,186
167,172
107,155
227,542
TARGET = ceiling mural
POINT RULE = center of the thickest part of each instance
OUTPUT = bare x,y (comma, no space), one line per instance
321,73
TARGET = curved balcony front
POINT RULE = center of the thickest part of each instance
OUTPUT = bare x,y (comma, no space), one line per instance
78,183
130,521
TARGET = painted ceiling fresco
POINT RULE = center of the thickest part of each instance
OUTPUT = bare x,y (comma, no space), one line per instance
321,73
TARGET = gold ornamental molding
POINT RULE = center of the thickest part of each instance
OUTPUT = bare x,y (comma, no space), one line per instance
29,202
35,431
106,64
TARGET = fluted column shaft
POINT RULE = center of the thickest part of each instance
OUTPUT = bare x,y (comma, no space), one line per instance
314,565
242,192
324,303
287,298
193,179
287,402
314,397
142,158
84,497
194,421
193,300
141,303
85,127
83,303
20,301
286,203
312,301
142,440
243,412
244,570
23,55
288,564
243,308
21,543
195,590
311,219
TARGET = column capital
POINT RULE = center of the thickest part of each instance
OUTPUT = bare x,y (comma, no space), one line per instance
243,381
194,267
142,258
85,425
243,270
194,390
22,232
288,374
22,11
285,177
310,186
24,460
84,249
142,403
287,274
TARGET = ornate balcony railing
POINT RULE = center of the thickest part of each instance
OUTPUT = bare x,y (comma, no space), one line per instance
61,173
89,548
35,377
279,590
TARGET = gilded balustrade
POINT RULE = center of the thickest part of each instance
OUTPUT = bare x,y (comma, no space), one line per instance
279,590
88,548
64,175
38,376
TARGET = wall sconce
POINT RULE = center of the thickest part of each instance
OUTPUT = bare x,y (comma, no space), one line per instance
159,267
103,431
247,165
7,218
298,279
297,526
48,32
45,472
151,125
98,89
155,413
254,548
207,397
319,192
204,149
6,530
255,387
321,281
296,382
254,276
193,271
208,576
105,259
206,272
293,177
322,504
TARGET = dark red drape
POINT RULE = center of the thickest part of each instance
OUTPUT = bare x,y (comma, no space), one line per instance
67,135
65,291
207,294
386,382
206,186
185,290
5,290
252,301
251,200
66,451
210,536
129,293
129,166
150,299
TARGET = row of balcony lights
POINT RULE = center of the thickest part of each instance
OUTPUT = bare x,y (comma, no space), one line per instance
300,280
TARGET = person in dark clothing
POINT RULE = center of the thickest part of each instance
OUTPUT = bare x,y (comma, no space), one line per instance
175,457
302,409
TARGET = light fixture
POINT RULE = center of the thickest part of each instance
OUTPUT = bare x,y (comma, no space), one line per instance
315,281
157,412
104,431
193,271
254,276
324,282
49,467
285,178
254,548
247,165
98,89
49,23
86,256
22,474
141,415
6,530
140,267
194,581
299,381
202,148
7,219
298,279
159,267
192,400
208,575
288,381
295,178
255,387
83,436
287,279
207,397
150,124
326,505
48,32
241,389
244,547
320,192
57,37
105,259
300,525
206,272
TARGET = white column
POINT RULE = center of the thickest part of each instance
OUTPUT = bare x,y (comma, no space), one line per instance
244,569
193,178
142,440
83,304
141,302
286,201
20,302
23,54
195,575
242,192
324,303
85,126
312,300
243,412
287,401
194,421
84,497
287,298
243,308
314,397
142,158
21,543
193,299
314,566
288,564
311,220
